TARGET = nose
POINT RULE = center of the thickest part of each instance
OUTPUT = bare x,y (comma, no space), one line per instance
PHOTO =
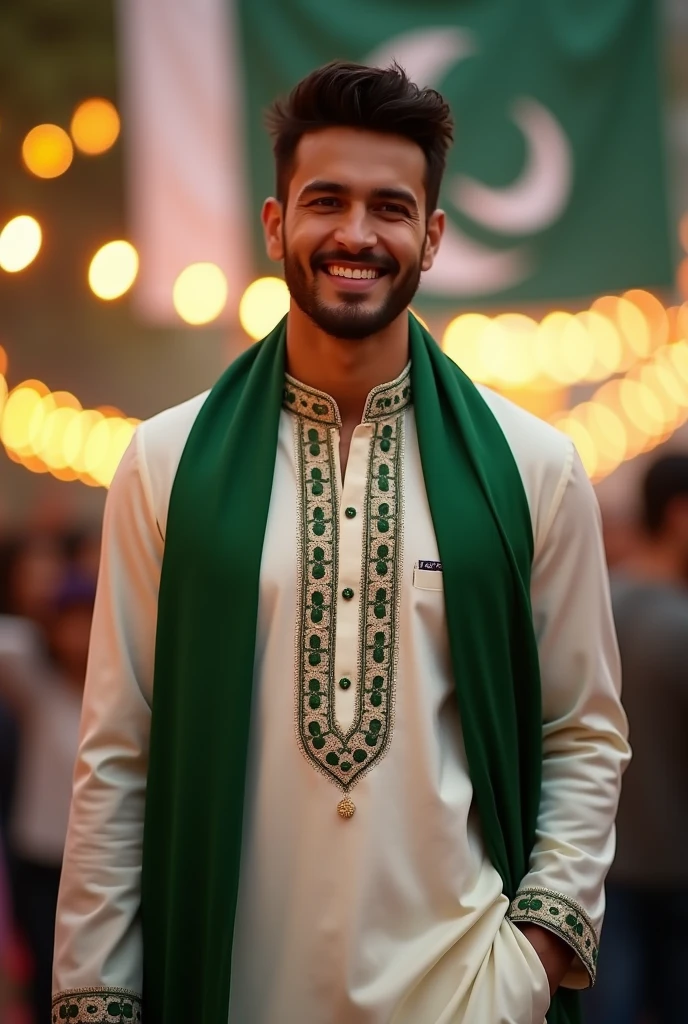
355,230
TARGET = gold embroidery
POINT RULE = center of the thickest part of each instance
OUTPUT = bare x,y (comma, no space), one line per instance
558,913
97,1005
344,757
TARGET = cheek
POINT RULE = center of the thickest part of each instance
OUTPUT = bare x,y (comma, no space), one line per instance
406,246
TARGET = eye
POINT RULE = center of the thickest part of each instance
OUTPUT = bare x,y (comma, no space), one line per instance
327,201
394,208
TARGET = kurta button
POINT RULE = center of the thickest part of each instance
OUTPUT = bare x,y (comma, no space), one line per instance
350,512
345,683
347,593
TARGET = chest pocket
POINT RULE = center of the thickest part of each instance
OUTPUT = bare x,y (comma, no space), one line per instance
427,579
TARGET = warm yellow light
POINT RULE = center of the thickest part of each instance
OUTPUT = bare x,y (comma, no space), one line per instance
508,349
3,395
642,407
95,126
75,437
549,353
606,344
19,410
20,243
661,383
3,361
52,437
113,270
631,325
608,432
200,293
263,305
462,342
576,351
34,432
47,151
105,447
654,314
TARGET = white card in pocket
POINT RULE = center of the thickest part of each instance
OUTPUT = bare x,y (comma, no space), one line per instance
427,579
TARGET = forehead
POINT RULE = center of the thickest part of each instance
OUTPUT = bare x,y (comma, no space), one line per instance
360,160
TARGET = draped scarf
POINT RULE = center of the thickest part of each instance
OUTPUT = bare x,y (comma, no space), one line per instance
205,648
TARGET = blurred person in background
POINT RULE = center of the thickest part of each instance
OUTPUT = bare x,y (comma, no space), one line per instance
31,568
42,677
645,942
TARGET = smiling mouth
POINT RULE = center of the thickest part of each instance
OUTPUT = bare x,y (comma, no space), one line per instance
355,273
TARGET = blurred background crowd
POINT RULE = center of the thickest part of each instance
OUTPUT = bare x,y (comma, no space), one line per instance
132,168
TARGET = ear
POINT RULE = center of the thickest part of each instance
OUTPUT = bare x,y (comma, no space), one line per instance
433,237
272,217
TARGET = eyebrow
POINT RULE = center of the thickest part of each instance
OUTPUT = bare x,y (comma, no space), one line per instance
336,188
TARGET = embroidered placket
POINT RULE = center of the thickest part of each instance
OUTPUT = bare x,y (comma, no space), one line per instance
345,753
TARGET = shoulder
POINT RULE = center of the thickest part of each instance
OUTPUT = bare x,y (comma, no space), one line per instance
158,446
545,457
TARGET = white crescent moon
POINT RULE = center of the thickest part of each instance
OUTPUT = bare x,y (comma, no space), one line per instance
426,56
462,265
540,195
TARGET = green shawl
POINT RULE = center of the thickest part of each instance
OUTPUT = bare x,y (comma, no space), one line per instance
206,635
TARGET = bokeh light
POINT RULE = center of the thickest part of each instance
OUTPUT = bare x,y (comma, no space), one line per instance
20,243
95,126
263,305
47,151
462,342
200,293
113,270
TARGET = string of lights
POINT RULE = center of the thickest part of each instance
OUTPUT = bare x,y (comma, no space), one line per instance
630,349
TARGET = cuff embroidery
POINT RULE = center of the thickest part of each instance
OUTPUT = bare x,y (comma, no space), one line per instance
559,914
97,1006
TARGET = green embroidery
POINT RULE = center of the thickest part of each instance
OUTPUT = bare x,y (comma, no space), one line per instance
97,1005
345,756
559,914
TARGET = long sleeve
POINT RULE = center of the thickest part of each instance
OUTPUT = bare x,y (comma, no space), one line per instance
584,727
98,954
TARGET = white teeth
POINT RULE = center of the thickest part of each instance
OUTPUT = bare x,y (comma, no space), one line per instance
357,274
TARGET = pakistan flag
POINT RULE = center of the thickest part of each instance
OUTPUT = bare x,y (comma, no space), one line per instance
555,187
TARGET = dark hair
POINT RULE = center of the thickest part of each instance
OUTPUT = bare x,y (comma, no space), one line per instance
666,480
355,96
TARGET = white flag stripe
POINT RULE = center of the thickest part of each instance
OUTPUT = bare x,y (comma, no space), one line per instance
183,108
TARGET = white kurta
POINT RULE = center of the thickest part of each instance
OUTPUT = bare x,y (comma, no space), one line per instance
395,915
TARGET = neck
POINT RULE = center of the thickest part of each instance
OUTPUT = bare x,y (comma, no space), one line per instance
345,370
657,561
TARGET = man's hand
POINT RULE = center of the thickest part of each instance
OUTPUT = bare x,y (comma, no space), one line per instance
555,954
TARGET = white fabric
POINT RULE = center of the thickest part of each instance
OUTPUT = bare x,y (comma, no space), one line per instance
395,915
184,133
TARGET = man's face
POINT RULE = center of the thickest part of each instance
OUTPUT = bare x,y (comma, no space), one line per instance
353,234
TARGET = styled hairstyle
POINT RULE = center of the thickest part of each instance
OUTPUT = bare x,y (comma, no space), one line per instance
666,480
344,95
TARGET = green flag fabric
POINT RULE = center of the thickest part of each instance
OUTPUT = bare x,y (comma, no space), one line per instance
555,187
205,648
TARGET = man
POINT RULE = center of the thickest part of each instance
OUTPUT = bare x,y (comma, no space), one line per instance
646,931
361,804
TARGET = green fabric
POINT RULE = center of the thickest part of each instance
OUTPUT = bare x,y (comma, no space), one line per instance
593,69
207,618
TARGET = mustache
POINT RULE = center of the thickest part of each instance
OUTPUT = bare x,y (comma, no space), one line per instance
385,264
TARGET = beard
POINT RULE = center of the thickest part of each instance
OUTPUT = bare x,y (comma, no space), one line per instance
350,320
